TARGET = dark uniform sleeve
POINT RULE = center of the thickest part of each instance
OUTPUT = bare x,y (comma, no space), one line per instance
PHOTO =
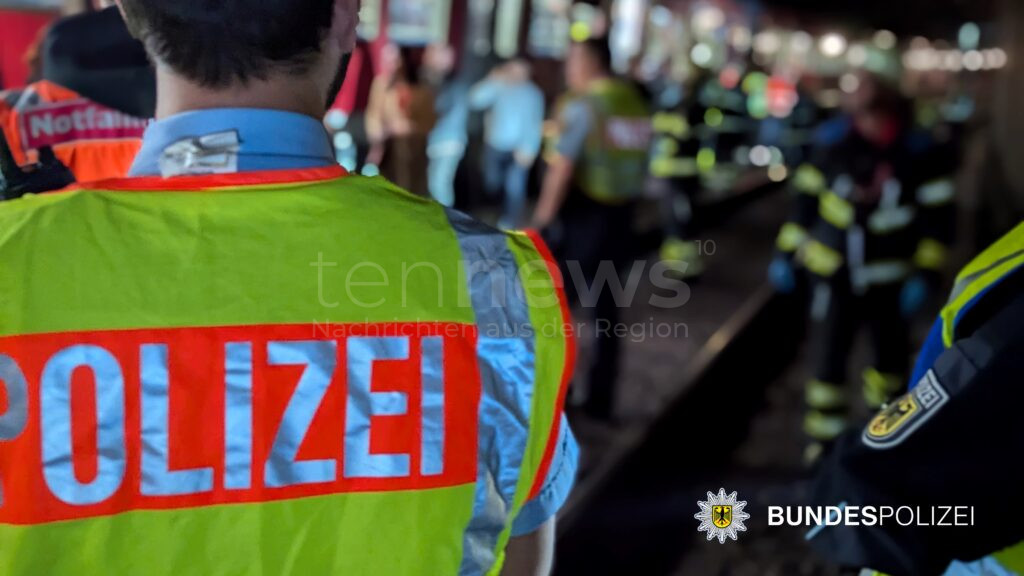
954,440
935,203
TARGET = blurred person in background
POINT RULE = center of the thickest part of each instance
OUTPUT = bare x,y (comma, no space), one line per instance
187,292
951,441
595,175
675,174
399,117
93,54
514,132
446,146
95,88
872,221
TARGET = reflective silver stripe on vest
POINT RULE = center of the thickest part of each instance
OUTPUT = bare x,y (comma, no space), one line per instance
881,273
936,193
24,99
506,357
965,282
11,97
889,220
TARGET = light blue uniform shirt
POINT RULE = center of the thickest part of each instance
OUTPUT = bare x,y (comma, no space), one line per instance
268,139
452,114
278,140
515,122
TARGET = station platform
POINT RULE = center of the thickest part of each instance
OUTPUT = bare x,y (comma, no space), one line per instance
727,415
656,375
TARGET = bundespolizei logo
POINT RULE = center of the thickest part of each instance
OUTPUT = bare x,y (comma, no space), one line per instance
721,516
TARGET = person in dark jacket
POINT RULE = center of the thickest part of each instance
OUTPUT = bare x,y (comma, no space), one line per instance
872,221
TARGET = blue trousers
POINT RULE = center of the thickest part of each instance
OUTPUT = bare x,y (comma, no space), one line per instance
444,165
506,178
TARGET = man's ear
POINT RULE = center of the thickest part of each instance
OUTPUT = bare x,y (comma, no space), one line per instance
120,8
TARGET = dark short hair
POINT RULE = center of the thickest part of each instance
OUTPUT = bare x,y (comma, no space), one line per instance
600,50
524,57
218,42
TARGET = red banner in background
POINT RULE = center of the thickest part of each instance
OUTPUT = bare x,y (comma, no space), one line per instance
19,29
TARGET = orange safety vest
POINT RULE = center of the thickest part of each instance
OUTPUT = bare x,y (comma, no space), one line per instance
93,141
295,372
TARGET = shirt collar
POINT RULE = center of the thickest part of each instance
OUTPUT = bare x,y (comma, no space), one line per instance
268,138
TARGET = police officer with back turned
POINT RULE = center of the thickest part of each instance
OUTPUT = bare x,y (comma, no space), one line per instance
593,180
243,360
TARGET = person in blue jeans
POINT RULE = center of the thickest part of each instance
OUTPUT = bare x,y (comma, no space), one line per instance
446,145
513,134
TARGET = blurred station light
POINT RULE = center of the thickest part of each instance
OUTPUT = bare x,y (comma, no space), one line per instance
730,77
885,39
740,38
952,60
741,155
857,56
661,16
708,17
767,42
777,172
969,36
369,20
849,83
830,98
549,28
507,23
760,156
584,19
755,82
418,22
701,54
345,151
478,35
995,58
579,31
336,119
627,31
924,58
973,60
706,159
714,117
801,42
832,45
781,96
919,43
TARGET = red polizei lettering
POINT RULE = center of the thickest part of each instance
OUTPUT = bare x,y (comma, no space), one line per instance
232,415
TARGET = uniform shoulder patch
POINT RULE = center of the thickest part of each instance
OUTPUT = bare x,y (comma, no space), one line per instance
897,421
